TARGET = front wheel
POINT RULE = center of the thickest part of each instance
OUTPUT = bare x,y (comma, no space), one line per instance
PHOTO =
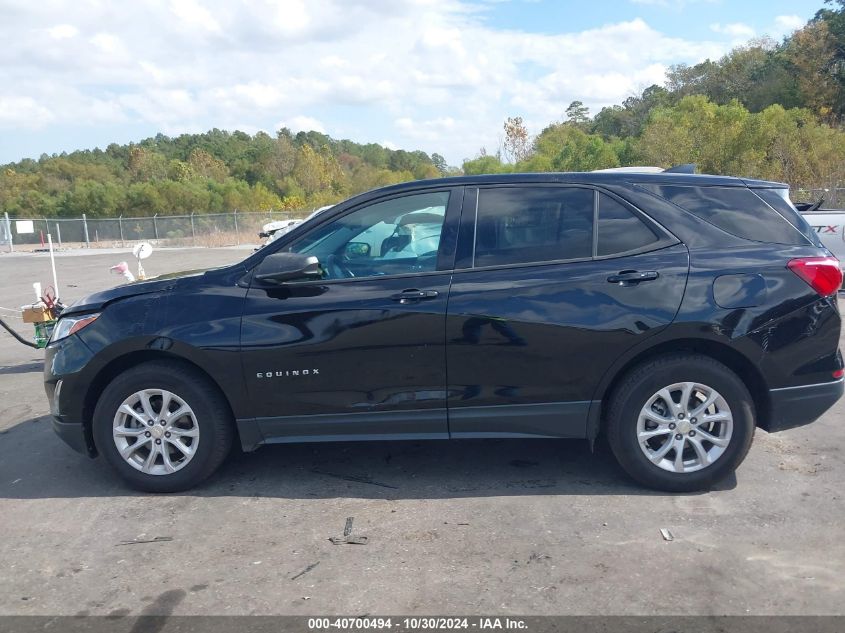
680,423
163,426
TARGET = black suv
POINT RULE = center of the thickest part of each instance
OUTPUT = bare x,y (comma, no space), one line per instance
671,313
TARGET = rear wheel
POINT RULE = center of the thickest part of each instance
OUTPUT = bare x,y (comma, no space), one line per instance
680,423
163,426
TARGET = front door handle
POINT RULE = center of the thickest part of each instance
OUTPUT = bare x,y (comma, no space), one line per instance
412,295
632,277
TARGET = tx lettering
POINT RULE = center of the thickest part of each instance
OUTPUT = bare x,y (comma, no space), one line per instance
288,373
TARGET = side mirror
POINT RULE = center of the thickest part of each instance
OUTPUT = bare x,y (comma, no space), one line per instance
355,250
280,267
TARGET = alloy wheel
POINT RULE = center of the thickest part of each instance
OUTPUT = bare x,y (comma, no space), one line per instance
685,427
156,431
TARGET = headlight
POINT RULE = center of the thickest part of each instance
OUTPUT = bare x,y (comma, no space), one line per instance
70,324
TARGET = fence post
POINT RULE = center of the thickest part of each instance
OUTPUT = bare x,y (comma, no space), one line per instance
9,233
120,222
155,226
85,229
193,232
59,233
237,231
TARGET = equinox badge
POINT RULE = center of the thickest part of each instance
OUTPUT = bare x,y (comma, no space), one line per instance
287,373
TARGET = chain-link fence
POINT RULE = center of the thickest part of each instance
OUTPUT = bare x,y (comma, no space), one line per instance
206,229
834,197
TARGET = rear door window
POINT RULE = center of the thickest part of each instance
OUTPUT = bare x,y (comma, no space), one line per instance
517,225
735,210
620,230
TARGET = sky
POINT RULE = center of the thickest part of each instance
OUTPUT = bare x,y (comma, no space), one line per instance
436,75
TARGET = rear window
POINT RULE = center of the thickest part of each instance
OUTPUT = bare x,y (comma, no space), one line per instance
620,230
779,200
733,209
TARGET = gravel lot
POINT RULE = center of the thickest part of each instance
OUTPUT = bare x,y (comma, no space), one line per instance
472,527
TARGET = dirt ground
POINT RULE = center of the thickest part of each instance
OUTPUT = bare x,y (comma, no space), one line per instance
472,527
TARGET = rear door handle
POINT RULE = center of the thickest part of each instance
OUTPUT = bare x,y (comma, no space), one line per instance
633,277
409,296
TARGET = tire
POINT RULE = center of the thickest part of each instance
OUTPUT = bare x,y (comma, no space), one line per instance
638,426
196,442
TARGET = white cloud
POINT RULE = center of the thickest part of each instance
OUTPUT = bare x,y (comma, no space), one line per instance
194,15
24,111
429,74
107,43
62,31
734,29
302,123
789,23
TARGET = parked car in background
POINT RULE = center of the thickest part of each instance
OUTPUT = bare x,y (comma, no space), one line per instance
275,229
672,313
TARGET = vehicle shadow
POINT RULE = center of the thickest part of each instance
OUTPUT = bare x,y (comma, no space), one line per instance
35,464
23,368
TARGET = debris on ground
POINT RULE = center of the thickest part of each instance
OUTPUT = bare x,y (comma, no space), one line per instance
158,539
348,538
305,571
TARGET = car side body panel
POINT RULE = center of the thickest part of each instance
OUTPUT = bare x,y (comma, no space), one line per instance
524,336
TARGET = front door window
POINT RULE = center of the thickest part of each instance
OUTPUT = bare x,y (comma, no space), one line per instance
394,237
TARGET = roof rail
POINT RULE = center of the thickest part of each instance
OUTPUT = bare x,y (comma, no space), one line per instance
688,168
631,170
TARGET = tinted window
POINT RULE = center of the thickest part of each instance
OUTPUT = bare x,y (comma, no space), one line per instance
779,200
533,224
733,209
620,230
394,237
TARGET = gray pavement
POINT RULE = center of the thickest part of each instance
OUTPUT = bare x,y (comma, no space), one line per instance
471,527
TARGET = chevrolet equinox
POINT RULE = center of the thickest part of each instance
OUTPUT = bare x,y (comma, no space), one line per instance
671,313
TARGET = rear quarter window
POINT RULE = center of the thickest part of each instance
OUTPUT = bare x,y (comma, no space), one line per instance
735,210
779,200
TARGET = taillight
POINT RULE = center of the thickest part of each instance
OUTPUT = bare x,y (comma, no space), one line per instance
822,273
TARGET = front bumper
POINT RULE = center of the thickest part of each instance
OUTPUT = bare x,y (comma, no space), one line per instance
75,435
796,406
65,390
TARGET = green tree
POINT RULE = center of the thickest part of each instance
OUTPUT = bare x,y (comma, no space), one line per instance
577,113
564,147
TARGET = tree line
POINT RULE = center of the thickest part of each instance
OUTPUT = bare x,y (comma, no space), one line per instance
771,110
214,172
